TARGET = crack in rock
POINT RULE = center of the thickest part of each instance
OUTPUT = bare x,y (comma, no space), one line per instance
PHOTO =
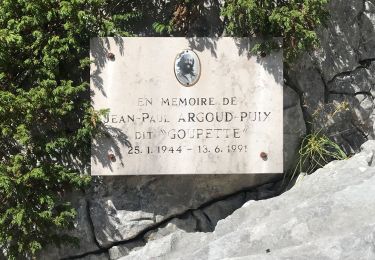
346,73
263,192
366,93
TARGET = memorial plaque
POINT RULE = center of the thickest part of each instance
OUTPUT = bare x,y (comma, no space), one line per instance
186,106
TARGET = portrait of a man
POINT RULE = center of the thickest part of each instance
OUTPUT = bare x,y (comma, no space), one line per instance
187,68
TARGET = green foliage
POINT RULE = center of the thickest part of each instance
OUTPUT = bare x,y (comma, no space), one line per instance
46,120
160,27
186,18
294,20
316,150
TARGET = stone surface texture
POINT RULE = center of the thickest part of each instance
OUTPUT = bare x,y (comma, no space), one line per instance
336,82
328,215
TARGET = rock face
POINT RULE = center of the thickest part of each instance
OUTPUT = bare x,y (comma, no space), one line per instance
122,208
330,90
117,216
327,215
336,82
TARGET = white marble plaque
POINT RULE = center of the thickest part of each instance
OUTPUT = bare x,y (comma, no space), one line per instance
186,106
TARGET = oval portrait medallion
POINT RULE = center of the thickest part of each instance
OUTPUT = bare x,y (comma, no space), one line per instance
187,68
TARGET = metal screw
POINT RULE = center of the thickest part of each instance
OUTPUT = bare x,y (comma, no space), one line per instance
111,157
110,56
264,156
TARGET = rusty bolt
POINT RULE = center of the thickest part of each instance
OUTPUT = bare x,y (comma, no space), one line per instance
264,156
111,157
110,56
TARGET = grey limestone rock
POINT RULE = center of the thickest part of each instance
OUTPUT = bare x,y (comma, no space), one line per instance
294,126
367,28
99,256
336,82
326,215
122,208
341,39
